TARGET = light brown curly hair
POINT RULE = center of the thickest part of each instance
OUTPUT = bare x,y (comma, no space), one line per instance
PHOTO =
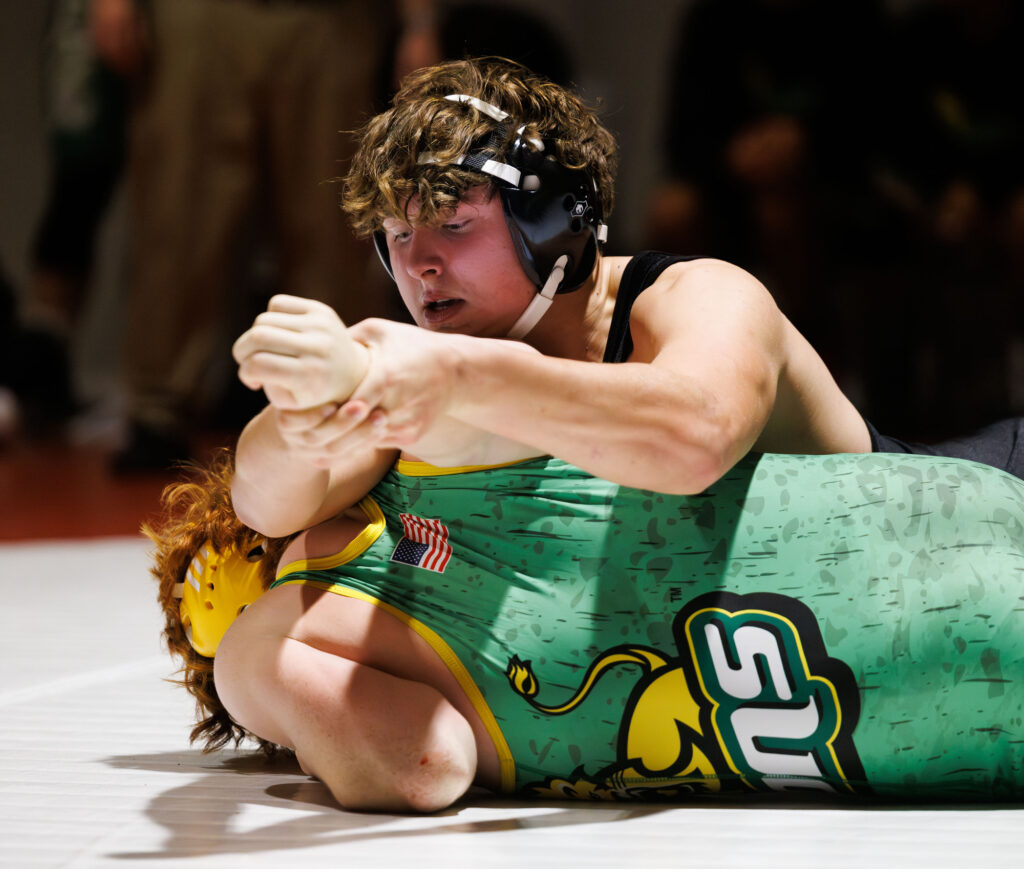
198,510
385,172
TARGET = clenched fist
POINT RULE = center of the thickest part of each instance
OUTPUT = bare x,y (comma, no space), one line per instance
300,354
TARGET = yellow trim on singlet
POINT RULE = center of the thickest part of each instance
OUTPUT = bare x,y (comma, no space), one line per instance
357,547
425,469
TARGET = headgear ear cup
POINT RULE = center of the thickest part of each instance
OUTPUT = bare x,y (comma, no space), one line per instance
554,212
217,587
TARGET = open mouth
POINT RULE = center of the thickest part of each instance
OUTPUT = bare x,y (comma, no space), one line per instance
438,311
440,304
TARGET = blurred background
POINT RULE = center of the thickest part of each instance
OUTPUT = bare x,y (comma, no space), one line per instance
863,159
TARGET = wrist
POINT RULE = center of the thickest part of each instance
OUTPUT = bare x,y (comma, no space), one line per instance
353,371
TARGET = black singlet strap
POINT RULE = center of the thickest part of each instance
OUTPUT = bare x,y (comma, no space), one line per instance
641,271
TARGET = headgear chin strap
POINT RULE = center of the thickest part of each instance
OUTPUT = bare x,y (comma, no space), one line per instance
540,303
554,213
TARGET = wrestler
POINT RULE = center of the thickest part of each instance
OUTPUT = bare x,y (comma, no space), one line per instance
487,190
847,624
843,624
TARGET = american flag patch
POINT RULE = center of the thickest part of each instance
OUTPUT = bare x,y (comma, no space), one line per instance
425,543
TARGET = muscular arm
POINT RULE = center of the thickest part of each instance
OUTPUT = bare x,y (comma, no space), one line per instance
691,402
709,349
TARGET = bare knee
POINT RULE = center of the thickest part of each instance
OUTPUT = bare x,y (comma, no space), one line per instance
443,767
377,741
390,745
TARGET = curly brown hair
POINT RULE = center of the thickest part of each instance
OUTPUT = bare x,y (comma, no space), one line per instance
198,510
386,173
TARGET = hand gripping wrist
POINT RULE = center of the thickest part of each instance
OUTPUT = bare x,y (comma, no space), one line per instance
351,367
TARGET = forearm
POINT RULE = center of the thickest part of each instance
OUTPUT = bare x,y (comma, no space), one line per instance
634,423
278,490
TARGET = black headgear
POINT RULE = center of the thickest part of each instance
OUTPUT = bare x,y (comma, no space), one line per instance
554,213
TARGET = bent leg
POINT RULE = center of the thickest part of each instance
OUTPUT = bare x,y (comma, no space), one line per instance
376,740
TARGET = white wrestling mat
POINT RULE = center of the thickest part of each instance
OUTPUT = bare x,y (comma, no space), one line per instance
95,770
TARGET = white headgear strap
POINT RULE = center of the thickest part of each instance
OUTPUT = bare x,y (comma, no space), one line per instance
540,303
503,171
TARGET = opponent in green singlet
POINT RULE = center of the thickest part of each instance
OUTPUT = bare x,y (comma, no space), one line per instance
847,623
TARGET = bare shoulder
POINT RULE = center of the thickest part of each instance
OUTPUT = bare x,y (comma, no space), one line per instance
704,278
703,303
614,267
710,278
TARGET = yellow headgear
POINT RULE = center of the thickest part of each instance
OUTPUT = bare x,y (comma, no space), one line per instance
217,587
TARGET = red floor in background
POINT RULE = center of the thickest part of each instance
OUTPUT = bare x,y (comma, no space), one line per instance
57,491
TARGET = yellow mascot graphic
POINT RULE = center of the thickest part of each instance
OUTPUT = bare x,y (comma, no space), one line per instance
753,700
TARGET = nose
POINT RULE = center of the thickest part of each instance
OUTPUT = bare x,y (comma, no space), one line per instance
422,255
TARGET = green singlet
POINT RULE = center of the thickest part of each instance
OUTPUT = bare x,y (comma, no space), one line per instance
852,623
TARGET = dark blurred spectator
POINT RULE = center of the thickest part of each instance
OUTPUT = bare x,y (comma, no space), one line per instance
85,107
10,410
956,180
496,30
770,134
236,100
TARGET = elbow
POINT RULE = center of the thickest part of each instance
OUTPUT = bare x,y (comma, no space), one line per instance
267,526
258,523
699,472
248,516
253,512
704,476
699,459
682,470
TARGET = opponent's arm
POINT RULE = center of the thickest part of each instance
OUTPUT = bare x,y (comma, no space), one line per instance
292,470
709,349
303,357
279,488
